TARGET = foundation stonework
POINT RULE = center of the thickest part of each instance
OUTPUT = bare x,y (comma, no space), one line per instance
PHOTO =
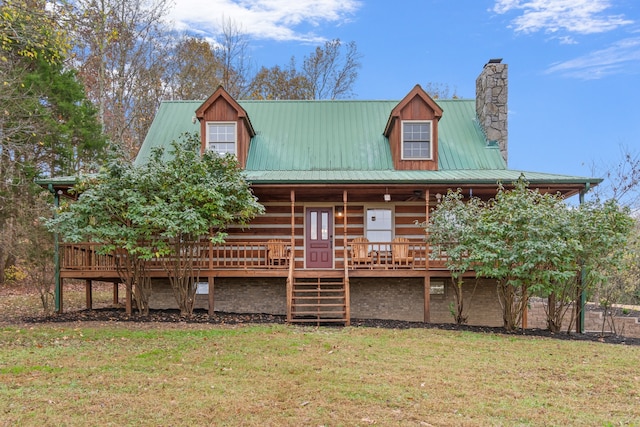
386,299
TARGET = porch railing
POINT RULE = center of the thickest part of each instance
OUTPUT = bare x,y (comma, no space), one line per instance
258,256
236,255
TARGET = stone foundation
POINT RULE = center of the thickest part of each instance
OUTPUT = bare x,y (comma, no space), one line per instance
385,298
593,321
480,301
371,298
232,295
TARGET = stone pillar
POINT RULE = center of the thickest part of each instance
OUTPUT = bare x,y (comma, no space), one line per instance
491,103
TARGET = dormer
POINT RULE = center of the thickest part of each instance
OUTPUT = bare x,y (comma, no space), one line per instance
225,126
412,130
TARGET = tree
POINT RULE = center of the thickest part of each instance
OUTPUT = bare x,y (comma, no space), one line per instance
122,49
158,212
332,70
622,186
605,235
450,231
440,91
107,213
231,52
195,70
192,196
329,72
46,127
519,243
622,180
280,83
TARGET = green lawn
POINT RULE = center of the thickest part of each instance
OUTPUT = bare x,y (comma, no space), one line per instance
183,374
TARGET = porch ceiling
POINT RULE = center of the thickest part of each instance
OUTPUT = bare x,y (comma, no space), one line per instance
333,193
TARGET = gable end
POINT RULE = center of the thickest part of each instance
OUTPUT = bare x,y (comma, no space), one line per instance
221,108
415,148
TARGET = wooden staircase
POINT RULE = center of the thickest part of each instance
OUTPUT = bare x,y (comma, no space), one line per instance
319,300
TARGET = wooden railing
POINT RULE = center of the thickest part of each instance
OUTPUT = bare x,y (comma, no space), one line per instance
258,256
237,255
388,255
85,257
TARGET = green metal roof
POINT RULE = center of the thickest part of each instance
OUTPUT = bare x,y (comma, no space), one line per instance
172,119
319,135
332,135
452,177
343,142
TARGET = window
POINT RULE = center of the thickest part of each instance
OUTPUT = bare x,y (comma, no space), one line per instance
221,137
416,140
380,226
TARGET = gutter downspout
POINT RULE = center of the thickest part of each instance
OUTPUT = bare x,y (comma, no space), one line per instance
583,273
56,250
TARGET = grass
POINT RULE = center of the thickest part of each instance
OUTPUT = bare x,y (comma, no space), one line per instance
274,375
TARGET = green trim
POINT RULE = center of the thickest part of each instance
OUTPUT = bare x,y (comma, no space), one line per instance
56,253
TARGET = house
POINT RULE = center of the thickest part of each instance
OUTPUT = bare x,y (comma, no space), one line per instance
345,185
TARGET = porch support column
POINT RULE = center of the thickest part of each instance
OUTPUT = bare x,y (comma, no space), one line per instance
128,304
116,297
59,305
57,291
88,294
211,280
427,252
293,225
344,226
292,259
347,293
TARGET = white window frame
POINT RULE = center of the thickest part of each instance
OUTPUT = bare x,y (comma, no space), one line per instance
430,141
367,229
210,144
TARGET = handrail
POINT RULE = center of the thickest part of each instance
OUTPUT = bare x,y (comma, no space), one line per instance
253,255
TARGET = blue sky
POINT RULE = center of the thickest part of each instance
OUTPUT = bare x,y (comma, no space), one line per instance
574,65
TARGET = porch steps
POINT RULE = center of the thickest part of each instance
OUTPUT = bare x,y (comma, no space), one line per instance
319,300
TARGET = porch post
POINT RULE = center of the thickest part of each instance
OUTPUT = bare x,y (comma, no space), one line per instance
57,295
292,257
293,226
88,294
115,293
427,277
128,300
211,280
347,292
59,305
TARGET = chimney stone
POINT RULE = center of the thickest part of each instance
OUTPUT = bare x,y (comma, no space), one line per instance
491,103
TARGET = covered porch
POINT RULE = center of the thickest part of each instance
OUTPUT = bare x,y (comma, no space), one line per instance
314,237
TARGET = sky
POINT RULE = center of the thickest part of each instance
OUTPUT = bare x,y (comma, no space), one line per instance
574,65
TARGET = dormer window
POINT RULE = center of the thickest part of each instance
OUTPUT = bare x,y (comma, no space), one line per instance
416,140
221,137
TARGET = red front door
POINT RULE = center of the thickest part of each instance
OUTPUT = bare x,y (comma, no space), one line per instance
319,238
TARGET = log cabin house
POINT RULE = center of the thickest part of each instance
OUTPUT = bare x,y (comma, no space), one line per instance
345,185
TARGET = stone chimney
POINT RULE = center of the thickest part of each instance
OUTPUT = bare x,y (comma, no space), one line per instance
491,103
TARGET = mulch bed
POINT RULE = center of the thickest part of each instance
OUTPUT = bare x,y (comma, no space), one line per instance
220,318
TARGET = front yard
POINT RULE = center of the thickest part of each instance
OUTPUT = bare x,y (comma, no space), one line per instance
161,373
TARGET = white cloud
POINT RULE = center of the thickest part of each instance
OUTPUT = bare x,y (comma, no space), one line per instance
567,40
551,16
621,57
263,19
